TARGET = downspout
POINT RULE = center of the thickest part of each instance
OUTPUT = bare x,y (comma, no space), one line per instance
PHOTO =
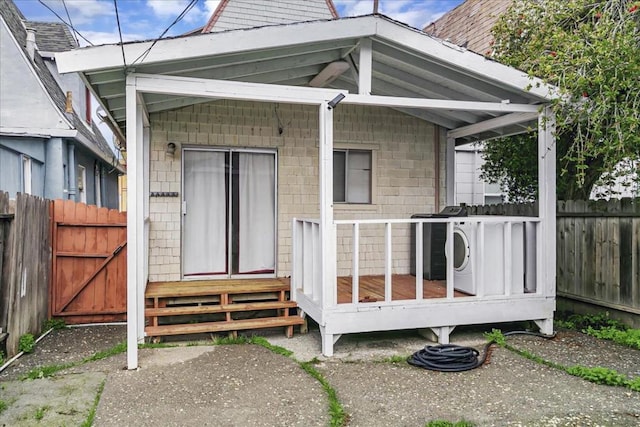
71,162
436,153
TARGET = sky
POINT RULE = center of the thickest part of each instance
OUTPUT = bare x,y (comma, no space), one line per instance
96,20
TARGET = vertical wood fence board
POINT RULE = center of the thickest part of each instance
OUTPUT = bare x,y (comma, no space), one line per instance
25,272
87,288
598,249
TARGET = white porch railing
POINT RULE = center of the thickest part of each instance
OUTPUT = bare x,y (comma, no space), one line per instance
307,262
306,259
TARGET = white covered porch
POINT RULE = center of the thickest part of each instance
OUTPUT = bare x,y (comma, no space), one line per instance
393,66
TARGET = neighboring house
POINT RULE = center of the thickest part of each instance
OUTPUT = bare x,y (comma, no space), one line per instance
470,188
302,150
49,145
238,14
469,25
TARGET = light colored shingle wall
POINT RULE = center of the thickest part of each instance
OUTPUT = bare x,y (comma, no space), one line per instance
404,169
255,13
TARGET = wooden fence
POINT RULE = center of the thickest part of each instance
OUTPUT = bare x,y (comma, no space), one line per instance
25,266
598,249
89,263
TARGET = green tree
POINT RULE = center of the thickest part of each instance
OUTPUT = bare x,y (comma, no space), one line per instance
590,49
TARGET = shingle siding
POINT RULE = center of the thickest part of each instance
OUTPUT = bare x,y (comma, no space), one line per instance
237,14
470,24
405,166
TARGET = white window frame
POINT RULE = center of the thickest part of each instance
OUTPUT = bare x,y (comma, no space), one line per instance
372,149
26,174
82,184
98,181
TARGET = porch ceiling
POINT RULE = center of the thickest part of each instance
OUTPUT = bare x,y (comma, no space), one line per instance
405,63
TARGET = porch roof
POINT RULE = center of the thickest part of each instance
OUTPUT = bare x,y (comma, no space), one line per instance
405,62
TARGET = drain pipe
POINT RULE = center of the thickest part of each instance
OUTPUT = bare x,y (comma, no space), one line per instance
436,154
71,162
17,356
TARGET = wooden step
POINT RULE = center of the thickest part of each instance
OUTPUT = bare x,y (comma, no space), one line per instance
233,325
214,287
222,308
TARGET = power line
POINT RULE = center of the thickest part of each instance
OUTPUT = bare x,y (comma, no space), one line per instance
115,5
65,22
70,23
186,10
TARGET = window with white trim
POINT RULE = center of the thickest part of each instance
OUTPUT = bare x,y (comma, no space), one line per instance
82,184
26,174
352,176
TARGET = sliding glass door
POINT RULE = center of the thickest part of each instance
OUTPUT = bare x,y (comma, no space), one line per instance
229,213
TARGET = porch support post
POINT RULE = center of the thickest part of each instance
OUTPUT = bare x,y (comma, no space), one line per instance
327,227
328,277
146,140
451,171
134,217
364,71
546,250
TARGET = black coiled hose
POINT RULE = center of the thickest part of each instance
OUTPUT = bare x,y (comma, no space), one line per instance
455,358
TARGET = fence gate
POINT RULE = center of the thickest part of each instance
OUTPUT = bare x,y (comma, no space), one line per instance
89,263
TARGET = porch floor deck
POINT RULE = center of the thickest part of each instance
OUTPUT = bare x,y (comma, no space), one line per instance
403,287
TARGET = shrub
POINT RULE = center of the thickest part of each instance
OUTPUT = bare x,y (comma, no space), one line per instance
27,343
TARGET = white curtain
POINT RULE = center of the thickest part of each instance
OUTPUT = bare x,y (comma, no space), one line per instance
205,228
257,213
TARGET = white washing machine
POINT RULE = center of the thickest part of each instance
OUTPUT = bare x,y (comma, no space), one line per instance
467,268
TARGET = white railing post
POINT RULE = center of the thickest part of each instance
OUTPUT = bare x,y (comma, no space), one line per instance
355,275
419,260
508,257
316,262
295,259
307,259
449,251
477,260
388,262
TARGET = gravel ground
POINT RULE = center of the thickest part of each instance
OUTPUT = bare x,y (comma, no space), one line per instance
249,385
72,345
509,390
240,385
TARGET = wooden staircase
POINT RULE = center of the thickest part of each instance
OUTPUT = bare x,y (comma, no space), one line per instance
211,306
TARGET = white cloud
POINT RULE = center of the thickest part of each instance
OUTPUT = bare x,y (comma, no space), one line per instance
354,7
171,9
417,13
210,6
105,37
87,11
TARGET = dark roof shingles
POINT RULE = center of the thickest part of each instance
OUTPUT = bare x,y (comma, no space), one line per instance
14,20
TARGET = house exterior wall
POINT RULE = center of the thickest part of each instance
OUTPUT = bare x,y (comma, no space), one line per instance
108,181
404,171
12,174
470,24
19,102
255,13
469,187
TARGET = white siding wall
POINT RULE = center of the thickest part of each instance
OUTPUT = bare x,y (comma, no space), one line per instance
255,13
404,173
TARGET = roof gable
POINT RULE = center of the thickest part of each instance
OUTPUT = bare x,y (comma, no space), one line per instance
405,62
15,23
237,14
